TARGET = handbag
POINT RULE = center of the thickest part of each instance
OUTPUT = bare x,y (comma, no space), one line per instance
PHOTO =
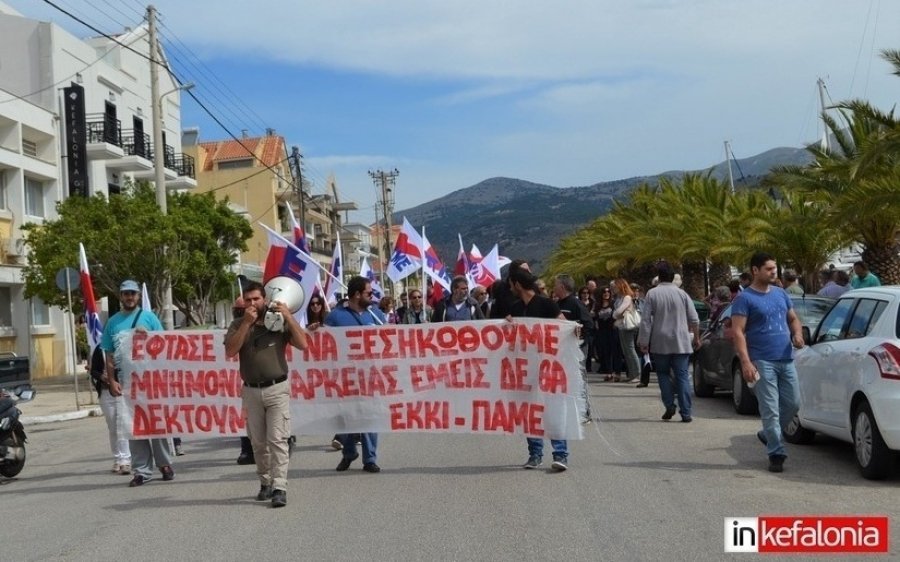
631,320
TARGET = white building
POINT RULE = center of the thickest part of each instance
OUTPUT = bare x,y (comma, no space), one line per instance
38,60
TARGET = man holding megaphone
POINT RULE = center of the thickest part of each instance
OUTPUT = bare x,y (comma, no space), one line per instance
260,346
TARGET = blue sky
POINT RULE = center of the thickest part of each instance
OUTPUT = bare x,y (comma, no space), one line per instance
564,93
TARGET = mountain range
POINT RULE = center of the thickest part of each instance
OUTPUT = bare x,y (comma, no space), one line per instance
528,220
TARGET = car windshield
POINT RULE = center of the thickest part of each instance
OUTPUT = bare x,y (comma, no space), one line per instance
811,310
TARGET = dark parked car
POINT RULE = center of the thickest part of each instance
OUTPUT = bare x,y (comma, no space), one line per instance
716,365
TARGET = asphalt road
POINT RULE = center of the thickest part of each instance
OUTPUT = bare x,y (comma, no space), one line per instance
637,489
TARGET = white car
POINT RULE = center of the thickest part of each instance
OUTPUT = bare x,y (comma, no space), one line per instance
849,378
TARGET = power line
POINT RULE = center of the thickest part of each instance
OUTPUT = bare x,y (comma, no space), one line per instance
225,89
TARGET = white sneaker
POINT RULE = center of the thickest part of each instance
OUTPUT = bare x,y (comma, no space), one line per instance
116,467
558,465
336,445
125,469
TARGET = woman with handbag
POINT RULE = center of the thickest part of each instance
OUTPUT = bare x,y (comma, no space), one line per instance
627,320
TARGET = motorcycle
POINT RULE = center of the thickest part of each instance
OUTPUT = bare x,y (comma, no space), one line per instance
12,433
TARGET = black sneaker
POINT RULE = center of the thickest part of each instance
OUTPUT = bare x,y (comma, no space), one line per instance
686,419
265,493
670,411
345,463
559,464
179,452
246,458
532,462
371,467
776,463
291,442
167,473
762,438
279,498
138,480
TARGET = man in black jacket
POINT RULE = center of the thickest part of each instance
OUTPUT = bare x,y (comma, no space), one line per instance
573,309
504,297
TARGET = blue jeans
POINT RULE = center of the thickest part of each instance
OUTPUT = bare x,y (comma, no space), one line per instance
632,361
536,448
678,364
777,392
369,446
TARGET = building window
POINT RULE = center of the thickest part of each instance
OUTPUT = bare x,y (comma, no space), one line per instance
234,164
29,148
34,197
5,307
40,312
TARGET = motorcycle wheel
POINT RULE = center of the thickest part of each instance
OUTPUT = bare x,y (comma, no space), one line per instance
12,468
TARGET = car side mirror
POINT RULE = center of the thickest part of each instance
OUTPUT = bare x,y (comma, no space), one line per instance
807,337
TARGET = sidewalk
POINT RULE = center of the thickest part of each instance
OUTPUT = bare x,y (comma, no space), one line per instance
55,400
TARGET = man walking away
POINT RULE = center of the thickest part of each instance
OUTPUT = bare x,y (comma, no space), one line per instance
670,331
765,325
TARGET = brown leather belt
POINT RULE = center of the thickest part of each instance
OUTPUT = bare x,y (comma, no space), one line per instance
266,383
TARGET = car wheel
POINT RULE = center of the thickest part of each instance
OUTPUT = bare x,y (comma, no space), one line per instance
743,399
701,387
872,455
797,434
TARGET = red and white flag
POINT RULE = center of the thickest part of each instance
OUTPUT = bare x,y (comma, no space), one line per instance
407,256
91,314
285,259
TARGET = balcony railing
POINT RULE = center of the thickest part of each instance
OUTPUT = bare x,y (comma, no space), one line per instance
184,165
103,130
169,157
137,145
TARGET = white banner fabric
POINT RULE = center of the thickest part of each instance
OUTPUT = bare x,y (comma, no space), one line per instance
492,376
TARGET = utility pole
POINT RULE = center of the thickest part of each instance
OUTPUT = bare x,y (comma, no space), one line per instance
159,152
297,166
728,161
384,186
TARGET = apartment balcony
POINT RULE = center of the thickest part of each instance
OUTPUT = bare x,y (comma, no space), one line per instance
137,155
184,166
104,138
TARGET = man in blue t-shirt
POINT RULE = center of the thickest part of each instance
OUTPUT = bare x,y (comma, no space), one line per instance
132,317
765,330
357,311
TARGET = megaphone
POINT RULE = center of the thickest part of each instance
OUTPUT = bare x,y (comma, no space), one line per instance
286,290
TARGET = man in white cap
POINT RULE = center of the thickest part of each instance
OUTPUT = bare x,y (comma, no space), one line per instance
144,452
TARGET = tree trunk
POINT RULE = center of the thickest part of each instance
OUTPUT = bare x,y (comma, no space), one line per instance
884,262
719,274
642,275
692,278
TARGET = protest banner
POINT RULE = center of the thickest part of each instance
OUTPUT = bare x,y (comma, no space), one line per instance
519,377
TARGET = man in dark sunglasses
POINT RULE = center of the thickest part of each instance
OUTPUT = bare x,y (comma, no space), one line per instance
357,311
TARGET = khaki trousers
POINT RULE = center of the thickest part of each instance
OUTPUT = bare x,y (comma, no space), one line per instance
269,427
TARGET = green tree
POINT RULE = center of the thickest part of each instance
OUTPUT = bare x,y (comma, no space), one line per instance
124,237
209,235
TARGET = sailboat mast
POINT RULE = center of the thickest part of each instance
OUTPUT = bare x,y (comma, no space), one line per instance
728,161
825,145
